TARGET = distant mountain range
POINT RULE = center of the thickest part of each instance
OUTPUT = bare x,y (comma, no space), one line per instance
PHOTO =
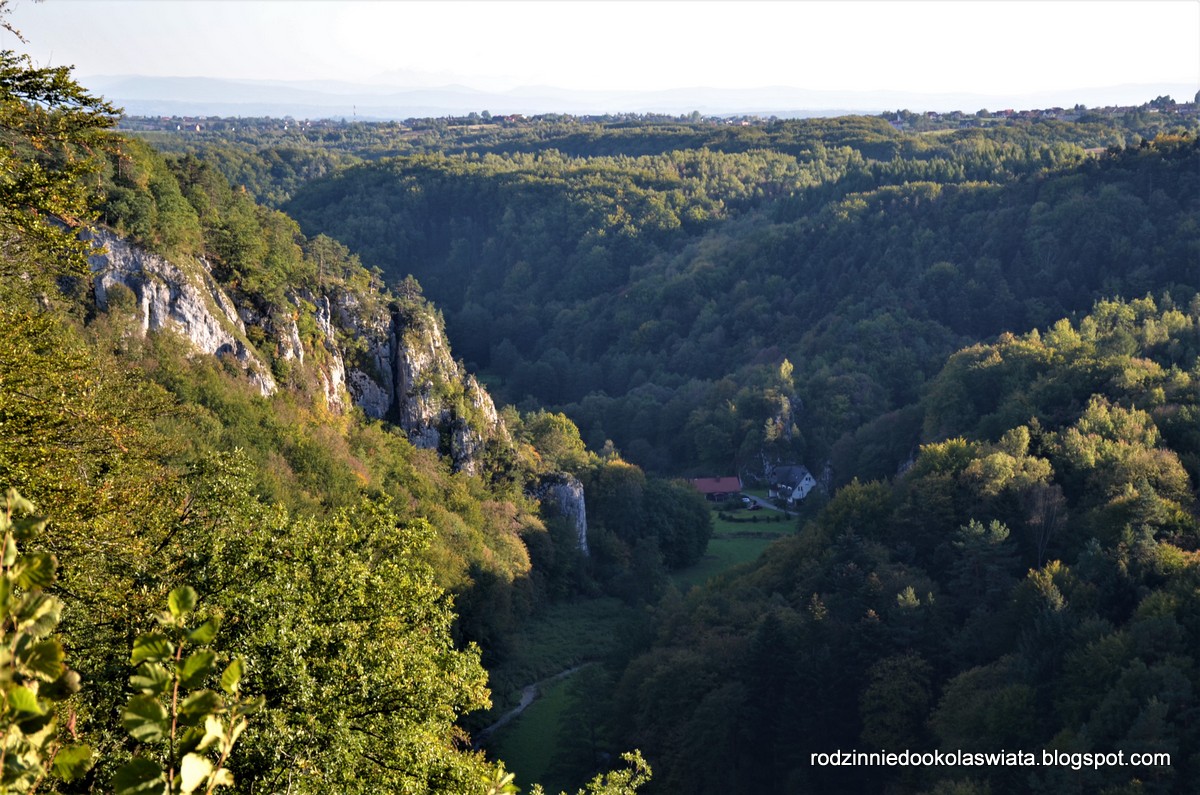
204,96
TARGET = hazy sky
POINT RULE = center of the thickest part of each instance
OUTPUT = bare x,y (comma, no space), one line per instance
1002,47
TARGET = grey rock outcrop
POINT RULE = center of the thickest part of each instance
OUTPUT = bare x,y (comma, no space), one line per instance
407,374
331,367
290,346
563,494
333,381
368,395
189,302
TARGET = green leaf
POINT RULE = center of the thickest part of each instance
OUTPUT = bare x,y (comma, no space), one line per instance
233,676
250,706
60,688
182,601
22,700
38,614
194,770
145,719
214,731
140,777
202,702
44,660
35,570
236,730
223,778
72,761
196,668
204,634
17,503
153,646
191,740
38,729
28,527
153,679
10,550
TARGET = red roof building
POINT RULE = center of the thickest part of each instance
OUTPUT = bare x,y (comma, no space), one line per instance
717,488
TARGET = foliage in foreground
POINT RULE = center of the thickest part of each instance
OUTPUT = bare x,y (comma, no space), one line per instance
33,674
163,712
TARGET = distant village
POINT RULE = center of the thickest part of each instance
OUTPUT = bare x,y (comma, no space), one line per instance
900,119
917,122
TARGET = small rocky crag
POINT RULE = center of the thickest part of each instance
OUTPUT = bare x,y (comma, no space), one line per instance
563,494
168,296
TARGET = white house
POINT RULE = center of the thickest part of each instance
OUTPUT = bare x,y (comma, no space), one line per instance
792,483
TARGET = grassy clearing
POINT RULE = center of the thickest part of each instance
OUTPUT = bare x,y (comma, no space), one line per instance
723,554
734,543
562,636
527,745
568,634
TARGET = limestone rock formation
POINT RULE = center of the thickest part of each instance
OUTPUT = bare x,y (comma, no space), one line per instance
402,370
387,355
563,494
187,301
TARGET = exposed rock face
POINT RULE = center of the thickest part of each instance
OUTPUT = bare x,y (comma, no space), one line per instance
333,381
391,359
369,379
372,398
290,346
418,384
332,365
564,494
168,297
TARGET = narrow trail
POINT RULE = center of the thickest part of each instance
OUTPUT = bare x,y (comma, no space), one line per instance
529,694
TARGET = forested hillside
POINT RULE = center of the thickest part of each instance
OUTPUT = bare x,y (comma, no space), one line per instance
1030,582
1009,562
273,158
178,405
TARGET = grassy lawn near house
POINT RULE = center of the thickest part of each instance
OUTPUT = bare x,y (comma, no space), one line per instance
735,543
723,554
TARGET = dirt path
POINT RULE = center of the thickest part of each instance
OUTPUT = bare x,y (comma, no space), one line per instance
529,694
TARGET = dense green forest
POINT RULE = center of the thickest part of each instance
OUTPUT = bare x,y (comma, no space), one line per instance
273,158
1029,582
650,297
981,332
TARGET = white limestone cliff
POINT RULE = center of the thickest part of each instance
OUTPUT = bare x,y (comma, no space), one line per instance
169,297
389,357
